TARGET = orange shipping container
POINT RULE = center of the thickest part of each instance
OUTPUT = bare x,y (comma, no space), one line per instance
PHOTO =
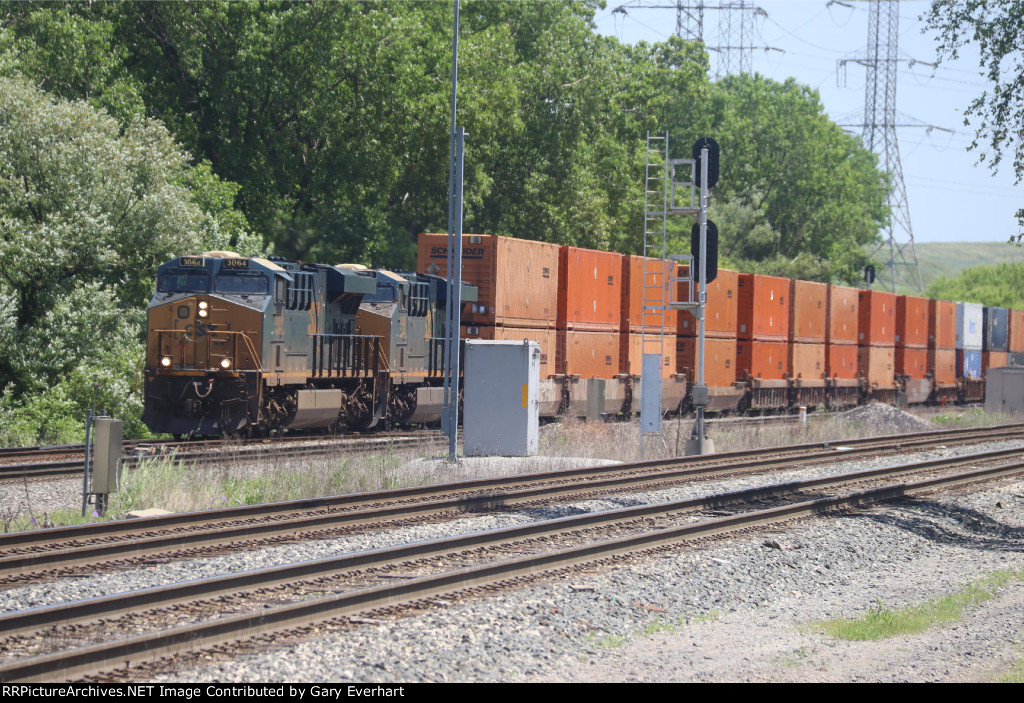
719,308
841,361
992,360
807,311
942,365
807,361
587,354
719,360
941,324
765,360
877,365
842,315
545,338
763,308
911,361
911,321
1016,331
517,278
876,324
589,289
631,353
638,284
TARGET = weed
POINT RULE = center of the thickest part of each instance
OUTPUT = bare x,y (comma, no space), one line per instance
659,626
1015,674
881,622
612,641
710,616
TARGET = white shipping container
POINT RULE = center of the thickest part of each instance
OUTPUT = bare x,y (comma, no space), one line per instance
969,325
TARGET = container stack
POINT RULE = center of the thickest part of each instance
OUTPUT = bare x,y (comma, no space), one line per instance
589,312
1015,338
635,321
719,333
942,343
841,322
762,329
808,303
911,359
911,336
876,339
517,282
969,339
995,325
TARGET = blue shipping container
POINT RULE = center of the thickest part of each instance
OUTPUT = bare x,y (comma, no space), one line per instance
968,363
995,326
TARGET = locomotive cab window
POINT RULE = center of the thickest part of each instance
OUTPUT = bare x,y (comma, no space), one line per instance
182,282
240,283
385,293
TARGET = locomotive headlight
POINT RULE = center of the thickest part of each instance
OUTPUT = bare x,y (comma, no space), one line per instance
203,312
203,305
165,361
225,363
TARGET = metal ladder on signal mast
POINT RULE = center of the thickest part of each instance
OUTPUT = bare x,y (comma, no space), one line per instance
658,279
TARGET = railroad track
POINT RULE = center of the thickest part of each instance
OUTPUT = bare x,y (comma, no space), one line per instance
38,555
63,461
46,463
102,634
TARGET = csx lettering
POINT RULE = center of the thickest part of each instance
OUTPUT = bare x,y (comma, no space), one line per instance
200,330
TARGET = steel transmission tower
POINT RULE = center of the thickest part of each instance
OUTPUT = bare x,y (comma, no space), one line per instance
735,49
879,135
736,38
690,21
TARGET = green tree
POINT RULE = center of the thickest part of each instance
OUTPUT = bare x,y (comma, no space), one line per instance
88,209
997,28
817,188
1001,285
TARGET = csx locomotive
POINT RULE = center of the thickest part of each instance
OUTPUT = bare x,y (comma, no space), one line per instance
244,345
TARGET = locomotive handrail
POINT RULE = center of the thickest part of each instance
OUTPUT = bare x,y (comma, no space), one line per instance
346,354
212,335
436,355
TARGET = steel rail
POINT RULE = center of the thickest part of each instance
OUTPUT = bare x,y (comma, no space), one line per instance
53,469
110,606
108,655
135,538
818,450
93,555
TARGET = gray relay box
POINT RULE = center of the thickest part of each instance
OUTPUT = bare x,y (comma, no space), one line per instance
501,398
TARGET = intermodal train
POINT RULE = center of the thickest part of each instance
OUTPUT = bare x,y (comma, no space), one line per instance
240,345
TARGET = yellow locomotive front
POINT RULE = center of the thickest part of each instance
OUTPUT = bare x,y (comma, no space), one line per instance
204,341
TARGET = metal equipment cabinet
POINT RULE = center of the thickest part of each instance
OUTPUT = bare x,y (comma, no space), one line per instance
501,402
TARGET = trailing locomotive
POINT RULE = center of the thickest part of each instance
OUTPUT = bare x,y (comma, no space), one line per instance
251,345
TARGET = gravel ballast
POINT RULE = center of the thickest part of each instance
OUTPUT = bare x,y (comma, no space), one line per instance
734,611
731,610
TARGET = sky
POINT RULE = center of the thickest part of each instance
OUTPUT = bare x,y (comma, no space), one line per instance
951,197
